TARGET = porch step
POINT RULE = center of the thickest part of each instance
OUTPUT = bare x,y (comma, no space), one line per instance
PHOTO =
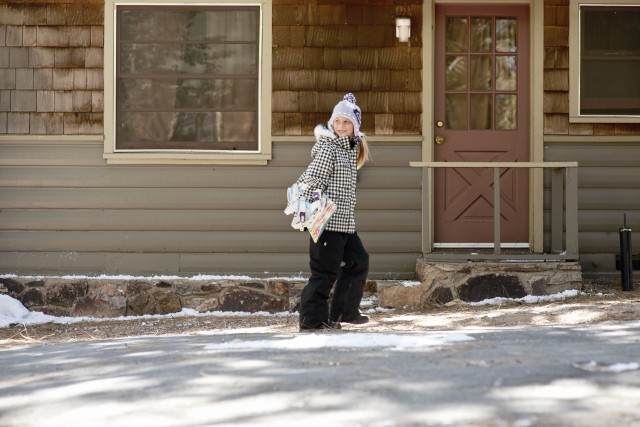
443,282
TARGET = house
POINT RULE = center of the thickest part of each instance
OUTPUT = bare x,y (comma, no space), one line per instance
146,137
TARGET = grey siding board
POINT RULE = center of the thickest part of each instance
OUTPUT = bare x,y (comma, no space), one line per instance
601,220
386,265
184,198
187,241
591,154
58,262
185,177
63,210
60,154
187,220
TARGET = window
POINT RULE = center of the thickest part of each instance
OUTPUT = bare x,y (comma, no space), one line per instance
187,83
609,61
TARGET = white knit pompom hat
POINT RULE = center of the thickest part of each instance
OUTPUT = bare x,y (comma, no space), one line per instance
348,108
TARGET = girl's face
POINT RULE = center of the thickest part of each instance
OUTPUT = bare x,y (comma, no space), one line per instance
343,127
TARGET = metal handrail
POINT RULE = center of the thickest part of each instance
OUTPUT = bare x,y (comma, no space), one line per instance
570,199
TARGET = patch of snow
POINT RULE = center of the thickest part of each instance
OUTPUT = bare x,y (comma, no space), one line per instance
12,311
198,277
343,340
593,366
530,299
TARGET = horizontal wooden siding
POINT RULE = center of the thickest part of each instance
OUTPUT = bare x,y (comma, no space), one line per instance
62,210
608,188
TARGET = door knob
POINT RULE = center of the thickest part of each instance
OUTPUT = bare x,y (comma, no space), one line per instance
439,139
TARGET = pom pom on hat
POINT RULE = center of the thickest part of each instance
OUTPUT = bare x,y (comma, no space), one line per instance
348,108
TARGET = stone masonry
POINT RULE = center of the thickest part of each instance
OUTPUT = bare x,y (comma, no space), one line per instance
441,283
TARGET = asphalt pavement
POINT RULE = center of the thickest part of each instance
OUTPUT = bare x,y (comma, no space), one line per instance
518,377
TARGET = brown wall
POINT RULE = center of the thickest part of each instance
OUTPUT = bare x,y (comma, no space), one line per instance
323,49
51,67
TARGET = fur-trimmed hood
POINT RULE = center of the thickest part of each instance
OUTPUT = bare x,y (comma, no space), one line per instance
325,135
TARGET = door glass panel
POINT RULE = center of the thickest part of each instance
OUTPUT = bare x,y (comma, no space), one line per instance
456,34
456,73
481,110
481,72
506,31
506,72
481,35
456,111
480,60
506,112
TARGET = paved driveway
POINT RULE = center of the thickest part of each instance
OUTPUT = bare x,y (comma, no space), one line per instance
535,376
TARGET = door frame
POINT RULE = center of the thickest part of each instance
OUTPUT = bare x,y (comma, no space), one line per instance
536,125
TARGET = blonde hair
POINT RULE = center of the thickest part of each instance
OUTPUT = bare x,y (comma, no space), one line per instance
364,154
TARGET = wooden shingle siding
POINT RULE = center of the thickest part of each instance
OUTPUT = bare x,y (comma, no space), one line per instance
51,67
62,209
323,49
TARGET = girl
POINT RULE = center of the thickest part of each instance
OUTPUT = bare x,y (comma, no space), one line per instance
339,255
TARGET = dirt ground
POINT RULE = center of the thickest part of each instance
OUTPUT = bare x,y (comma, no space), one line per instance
599,301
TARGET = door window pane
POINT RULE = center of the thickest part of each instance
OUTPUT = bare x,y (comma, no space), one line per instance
506,112
475,76
506,73
610,60
482,72
481,111
187,77
481,35
506,34
456,72
456,34
456,111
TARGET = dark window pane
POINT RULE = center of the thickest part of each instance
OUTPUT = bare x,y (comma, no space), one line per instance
151,58
186,130
187,77
190,24
610,60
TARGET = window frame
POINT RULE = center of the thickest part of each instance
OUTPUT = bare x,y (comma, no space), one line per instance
259,157
574,64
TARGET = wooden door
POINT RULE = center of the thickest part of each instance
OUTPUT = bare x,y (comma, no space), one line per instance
481,115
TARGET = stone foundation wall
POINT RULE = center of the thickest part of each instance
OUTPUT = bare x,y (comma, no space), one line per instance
95,297
441,283
118,297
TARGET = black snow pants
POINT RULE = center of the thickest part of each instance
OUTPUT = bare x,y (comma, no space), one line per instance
340,258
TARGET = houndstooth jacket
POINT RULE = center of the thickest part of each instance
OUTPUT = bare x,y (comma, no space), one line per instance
333,170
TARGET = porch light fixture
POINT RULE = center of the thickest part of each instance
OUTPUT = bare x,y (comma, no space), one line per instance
403,28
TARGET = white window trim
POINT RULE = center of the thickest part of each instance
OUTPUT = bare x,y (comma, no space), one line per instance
189,157
574,64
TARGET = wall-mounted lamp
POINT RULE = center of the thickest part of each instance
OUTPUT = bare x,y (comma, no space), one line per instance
403,28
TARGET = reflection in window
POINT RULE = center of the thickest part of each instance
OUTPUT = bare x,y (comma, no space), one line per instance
187,77
456,111
481,35
506,73
506,33
457,71
457,34
506,112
